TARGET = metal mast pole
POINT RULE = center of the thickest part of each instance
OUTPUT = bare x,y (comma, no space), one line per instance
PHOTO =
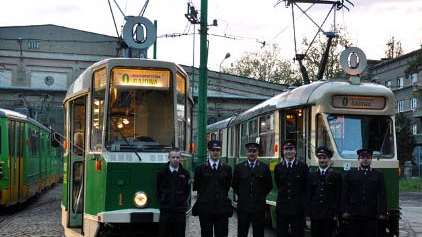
203,81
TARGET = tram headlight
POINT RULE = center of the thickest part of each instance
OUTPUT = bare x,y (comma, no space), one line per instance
140,199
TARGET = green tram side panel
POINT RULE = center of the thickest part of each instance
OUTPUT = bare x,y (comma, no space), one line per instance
65,181
95,185
127,179
4,178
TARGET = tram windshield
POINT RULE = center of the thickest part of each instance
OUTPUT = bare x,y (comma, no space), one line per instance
352,133
140,120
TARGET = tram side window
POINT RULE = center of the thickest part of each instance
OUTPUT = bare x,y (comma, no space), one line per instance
322,137
266,135
98,109
253,130
11,125
244,138
181,109
33,142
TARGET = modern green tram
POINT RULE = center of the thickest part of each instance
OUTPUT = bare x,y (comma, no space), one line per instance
29,161
122,117
341,115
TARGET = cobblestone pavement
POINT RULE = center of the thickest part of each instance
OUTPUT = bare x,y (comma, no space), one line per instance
195,230
41,217
411,219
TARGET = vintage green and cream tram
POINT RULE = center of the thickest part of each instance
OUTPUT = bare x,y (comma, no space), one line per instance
122,117
341,115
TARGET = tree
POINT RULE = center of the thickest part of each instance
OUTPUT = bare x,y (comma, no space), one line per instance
405,139
313,56
266,65
394,48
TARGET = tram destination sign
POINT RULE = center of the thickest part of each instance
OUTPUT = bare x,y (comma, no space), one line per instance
358,102
141,78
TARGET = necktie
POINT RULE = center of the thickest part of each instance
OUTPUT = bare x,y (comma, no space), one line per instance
214,166
323,172
289,165
252,165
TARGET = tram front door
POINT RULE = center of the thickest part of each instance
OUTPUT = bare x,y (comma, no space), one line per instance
76,167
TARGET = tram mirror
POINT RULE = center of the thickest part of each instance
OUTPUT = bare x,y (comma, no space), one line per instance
55,139
113,96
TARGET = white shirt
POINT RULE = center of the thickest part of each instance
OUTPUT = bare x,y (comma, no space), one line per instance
214,162
173,169
290,162
323,171
252,163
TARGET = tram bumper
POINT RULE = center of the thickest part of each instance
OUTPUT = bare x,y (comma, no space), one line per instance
146,215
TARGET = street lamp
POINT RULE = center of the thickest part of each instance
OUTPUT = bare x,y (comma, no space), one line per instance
225,57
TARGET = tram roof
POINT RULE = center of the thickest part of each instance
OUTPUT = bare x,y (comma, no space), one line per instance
219,125
84,82
5,113
309,94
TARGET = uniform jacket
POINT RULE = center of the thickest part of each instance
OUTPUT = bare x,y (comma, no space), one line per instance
213,187
364,194
173,190
324,194
291,186
252,186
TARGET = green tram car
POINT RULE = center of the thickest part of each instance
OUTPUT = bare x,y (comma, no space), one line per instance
122,117
29,161
341,115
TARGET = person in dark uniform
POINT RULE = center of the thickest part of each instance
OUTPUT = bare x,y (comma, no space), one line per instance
212,181
364,197
290,177
324,195
173,190
251,182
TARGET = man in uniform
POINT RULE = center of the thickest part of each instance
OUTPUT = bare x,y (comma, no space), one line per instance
251,182
173,190
212,181
324,195
364,197
290,177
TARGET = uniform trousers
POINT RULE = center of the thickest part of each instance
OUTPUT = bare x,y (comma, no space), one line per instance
246,219
363,226
322,228
216,225
172,224
296,223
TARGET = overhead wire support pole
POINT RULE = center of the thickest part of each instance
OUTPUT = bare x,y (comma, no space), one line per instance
203,82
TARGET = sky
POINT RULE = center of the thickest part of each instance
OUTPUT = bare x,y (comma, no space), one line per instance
242,24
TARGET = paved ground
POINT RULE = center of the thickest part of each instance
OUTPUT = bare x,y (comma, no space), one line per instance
41,218
411,209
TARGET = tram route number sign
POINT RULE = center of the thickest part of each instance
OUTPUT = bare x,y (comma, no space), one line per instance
358,102
142,78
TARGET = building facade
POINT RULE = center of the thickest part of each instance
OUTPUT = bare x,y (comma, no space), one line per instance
407,91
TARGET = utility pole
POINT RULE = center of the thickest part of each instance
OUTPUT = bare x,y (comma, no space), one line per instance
203,82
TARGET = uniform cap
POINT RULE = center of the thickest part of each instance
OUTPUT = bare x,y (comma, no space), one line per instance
214,144
289,143
364,151
252,146
324,150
